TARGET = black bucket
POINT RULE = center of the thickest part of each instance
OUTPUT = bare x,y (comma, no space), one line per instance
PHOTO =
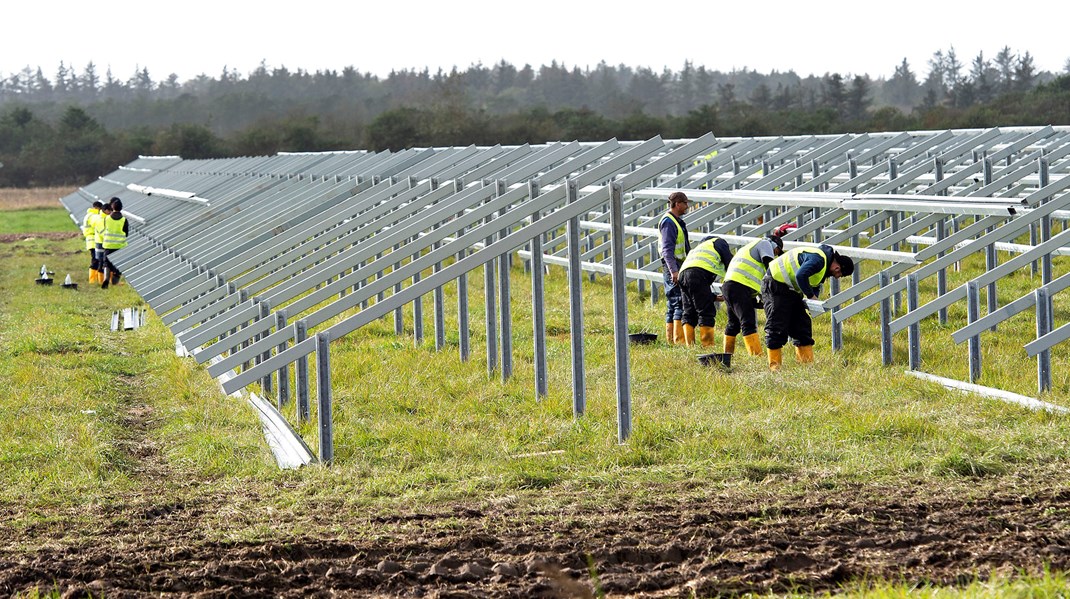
642,338
711,359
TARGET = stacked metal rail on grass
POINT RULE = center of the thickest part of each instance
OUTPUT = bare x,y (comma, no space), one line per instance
242,257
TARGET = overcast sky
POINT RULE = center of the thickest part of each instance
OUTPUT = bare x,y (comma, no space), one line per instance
196,36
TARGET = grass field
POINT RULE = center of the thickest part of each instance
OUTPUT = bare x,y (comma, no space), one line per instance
126,471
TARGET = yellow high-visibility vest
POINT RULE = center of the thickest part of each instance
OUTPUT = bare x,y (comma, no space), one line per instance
747,267
681,242
704,256
786,267
89,225
112,235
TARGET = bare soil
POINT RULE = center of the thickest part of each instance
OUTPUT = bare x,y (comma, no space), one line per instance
686,542
55,236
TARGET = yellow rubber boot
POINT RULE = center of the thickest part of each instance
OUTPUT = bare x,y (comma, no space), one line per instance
669,333
706,336
804,354
92,276
775,359
754,344
729,345
689,335
678,332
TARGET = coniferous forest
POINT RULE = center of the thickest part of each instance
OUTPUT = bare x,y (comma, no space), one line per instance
70,126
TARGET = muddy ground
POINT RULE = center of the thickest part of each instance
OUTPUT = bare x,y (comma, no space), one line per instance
682,544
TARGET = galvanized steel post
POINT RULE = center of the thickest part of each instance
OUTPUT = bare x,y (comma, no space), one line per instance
417,311
837,327
284,372
301,372
914,331
323,393
620,313
886,321
490,304
504,296
399,315
852,172
538,309
575,305
1045,222
973,310
265,383
462,292
1044,306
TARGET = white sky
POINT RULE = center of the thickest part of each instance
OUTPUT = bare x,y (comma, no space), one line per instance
196,36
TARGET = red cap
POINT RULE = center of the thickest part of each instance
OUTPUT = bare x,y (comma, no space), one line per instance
784,229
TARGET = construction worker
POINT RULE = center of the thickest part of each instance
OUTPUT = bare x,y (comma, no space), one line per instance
89,225
98,239
674,248
705,263
112,231
792,278
743,286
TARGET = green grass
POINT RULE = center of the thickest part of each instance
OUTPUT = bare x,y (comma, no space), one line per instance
37,220
413,425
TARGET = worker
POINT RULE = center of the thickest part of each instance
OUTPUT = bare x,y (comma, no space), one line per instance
89,225
703,265
674,249
98,239
113,231
791,279
743,285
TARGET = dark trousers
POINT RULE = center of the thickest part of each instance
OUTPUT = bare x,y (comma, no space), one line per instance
110,271
674,308
699,304
785,316
94,264
740,301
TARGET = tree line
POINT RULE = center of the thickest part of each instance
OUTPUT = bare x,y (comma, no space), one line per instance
74,126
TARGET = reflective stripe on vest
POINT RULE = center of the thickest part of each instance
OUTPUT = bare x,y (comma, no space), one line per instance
113,236
681,241
746,267
783,269
705,257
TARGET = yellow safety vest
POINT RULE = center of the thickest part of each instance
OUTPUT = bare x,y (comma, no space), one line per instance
747,267
112,234
785,267
705,257
89,226
681,240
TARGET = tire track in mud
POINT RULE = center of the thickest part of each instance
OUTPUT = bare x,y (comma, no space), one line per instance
676,546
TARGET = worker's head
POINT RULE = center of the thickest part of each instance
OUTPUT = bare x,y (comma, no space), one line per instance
678,203
842,266
116,204
98,204
778,244
106,208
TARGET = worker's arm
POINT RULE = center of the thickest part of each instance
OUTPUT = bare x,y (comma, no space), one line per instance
811,264
723,251
765,251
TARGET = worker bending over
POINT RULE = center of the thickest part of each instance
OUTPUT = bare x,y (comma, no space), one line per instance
674,248
743,285
707,262
791,279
